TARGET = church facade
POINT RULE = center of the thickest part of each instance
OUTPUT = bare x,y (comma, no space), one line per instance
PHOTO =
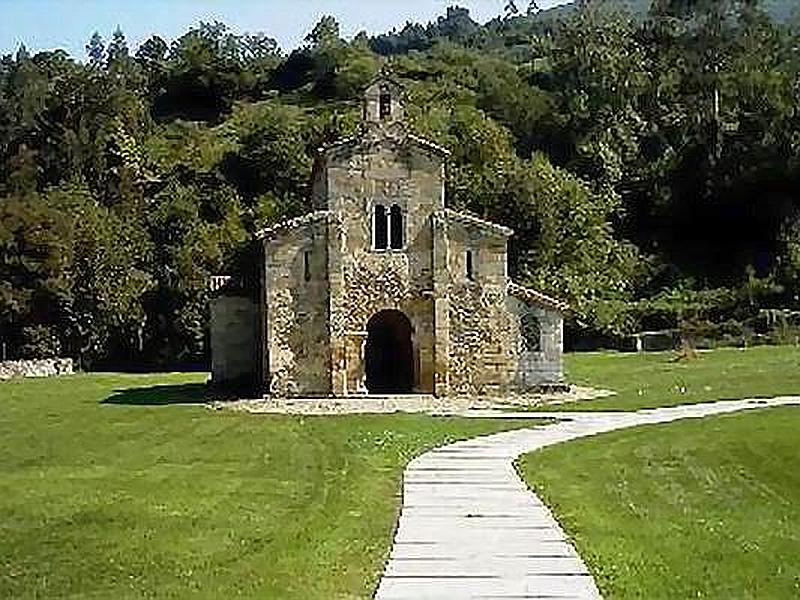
383,289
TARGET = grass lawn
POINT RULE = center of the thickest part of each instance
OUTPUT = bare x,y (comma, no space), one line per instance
657,379
112,486
692,509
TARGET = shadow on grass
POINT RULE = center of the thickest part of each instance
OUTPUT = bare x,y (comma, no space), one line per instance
161,395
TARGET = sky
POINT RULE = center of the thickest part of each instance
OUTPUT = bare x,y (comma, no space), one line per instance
68,24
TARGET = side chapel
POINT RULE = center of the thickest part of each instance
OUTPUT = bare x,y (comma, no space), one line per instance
382,289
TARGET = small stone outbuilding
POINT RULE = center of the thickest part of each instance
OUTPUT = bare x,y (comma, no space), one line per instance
383,289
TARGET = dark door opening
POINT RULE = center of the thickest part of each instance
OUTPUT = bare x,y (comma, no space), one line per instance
389,354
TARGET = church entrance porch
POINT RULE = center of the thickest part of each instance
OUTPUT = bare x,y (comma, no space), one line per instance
389,354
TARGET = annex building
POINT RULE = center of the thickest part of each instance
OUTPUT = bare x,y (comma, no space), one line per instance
383,289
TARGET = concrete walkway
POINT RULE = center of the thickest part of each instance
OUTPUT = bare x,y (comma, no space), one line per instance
469,527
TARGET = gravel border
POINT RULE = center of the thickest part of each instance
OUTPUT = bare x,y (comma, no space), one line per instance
406,404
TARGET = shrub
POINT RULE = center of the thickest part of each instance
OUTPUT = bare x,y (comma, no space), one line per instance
39,341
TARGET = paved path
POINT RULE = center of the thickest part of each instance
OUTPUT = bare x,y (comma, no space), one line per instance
469,528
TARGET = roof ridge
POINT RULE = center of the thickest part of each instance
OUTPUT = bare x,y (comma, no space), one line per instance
536,296
305,219
424,142
465,216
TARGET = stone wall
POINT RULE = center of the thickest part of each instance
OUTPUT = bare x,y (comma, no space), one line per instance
382,168
534,367
486,351
371,106
49,367
481,340
297,351
234,337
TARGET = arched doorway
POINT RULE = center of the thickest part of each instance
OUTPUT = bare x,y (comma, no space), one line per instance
389,354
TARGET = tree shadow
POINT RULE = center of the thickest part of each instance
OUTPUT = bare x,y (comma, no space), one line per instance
161,395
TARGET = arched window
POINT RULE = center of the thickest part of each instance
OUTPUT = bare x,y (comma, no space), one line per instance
396,224
470,266
530,332
385,104
380,233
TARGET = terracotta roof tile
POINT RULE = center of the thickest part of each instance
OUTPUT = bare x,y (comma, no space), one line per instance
536,297
284,226
470,219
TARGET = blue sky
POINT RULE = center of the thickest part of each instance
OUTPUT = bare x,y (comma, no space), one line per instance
68,24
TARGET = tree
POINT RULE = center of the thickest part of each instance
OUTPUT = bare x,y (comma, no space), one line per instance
117,51
637,158
23,178
106,274
272,157
34,261
511,9
153,50
95,49
205,75
325,34
563,242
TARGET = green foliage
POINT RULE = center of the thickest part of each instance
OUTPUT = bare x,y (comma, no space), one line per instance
40,341
649,164
108,275
563,241
272,154
34,262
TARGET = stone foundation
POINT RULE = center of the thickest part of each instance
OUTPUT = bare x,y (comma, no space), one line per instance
50,367
415,403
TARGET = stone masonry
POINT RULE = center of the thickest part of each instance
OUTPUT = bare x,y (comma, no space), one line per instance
48,367
382,288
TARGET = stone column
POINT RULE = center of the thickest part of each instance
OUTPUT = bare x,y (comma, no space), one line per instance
337,320
441,307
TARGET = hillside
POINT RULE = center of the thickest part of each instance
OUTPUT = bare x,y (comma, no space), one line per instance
780,10
129,177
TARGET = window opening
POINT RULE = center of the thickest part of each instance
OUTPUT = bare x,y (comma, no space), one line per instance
307,266
385,104
380,232
396,223
470,266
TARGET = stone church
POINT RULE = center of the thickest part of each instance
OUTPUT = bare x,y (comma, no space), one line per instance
383,289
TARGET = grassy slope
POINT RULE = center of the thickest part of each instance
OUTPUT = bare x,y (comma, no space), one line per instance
130,499
657,379
694,509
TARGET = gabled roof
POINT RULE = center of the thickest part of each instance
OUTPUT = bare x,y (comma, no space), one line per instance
335,144
354,139
384,77
536,297
469,219
429,144
288,225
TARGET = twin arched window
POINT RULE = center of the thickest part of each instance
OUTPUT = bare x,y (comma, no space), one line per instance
387,228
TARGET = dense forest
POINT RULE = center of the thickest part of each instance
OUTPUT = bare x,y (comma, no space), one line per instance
648,161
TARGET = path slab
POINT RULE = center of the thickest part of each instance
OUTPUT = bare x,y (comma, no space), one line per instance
470,528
